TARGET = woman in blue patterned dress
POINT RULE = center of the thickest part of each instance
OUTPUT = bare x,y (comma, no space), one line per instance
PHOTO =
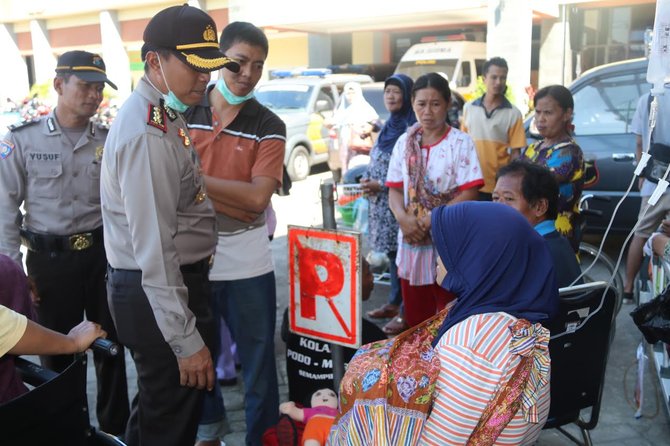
559,152
383,227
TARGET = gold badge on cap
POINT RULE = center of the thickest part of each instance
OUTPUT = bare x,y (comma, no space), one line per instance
209,35
184,136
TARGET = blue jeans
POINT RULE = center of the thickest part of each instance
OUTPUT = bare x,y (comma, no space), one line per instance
249,308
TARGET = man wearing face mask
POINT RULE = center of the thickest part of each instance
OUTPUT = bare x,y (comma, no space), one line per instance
241,144
159,229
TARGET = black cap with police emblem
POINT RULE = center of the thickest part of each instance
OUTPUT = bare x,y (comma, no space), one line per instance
190,34
86,66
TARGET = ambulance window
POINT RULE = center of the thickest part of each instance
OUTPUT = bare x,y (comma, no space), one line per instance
479,66
466,76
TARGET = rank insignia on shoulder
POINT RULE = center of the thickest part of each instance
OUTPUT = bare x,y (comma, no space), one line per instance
22,124
157,118
51,124
171,114
6,149
184,137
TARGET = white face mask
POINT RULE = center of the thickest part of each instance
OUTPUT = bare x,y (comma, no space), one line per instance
229,96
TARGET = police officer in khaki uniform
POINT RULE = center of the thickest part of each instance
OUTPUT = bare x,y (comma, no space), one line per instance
160,229
51,165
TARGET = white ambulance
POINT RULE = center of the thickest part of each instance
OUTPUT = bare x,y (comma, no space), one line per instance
461,61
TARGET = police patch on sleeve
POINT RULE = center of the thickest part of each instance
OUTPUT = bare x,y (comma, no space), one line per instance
6,149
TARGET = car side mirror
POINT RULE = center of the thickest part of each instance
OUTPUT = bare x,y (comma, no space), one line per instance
322,106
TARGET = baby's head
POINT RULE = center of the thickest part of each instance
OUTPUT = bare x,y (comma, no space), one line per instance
324,397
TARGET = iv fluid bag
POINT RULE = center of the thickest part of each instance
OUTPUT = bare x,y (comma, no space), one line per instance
659,56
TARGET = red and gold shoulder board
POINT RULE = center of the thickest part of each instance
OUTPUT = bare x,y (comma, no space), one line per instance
157,118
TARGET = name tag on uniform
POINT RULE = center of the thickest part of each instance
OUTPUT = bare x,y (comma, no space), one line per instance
44,156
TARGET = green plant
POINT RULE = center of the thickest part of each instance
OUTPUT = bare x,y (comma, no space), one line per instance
481,89
40,90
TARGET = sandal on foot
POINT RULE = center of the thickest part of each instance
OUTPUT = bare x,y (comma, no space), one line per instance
628,298
384,312
396,326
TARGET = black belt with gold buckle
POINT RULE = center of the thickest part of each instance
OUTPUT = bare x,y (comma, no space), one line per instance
81,241
75,242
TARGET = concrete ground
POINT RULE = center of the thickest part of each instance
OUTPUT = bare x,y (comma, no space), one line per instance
617,424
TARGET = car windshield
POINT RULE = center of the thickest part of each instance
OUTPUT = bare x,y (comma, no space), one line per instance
284,97
415,68
606,106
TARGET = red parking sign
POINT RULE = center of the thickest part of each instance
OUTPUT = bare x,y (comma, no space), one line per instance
325,284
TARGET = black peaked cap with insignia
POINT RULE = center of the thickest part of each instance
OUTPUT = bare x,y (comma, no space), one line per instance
191,35
86,66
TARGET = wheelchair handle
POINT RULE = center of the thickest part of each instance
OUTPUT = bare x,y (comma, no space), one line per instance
106,346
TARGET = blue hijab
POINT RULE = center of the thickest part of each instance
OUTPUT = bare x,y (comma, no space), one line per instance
495,262
398,121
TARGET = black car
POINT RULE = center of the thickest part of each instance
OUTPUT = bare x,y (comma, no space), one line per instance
605,101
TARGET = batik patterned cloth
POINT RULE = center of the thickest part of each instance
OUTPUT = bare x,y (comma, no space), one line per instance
387,391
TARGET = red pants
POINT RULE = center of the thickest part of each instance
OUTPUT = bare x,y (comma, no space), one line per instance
423,301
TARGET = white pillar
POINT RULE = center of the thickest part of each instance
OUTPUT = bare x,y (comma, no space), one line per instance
43,55
509,35
114,54
14,76
555,54
319,51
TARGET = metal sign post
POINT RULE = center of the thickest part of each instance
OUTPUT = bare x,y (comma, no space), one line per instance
328,212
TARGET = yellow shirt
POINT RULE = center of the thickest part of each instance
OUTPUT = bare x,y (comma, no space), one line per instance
12,327
493,133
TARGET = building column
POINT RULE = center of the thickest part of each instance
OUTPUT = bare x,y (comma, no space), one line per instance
43,55
114,53
509,35
555,53
319,50
14,77
368,47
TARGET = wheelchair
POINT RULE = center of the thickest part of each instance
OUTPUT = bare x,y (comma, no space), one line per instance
581,336
55,411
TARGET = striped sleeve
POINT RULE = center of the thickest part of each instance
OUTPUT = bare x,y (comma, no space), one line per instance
475,360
